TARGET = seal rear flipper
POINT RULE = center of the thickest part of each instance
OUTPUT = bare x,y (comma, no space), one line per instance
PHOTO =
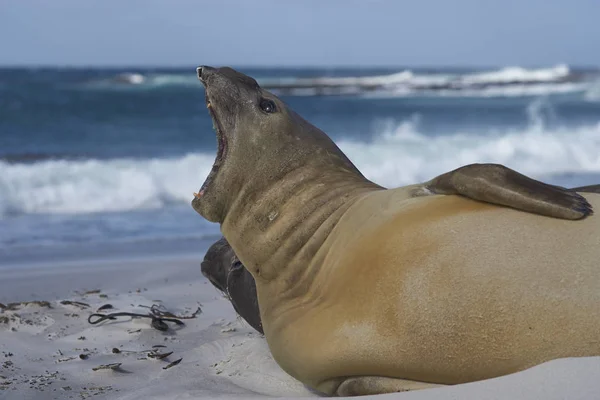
497,184
373,385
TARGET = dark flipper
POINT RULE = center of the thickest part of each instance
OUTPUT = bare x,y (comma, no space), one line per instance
496,184
225,271
587,189
241,288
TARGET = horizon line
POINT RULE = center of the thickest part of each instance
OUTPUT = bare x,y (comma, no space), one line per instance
291,66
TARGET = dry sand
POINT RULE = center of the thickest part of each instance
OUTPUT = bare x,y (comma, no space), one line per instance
42,344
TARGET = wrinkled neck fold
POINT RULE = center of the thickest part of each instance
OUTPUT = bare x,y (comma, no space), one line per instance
276,225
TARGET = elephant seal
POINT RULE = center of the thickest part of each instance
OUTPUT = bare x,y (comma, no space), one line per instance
367,290
224,270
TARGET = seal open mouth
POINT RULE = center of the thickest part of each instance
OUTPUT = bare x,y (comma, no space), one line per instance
221,142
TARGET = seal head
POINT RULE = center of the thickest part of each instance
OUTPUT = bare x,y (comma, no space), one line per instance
230,105
253,128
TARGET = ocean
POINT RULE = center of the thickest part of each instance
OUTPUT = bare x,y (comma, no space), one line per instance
103,162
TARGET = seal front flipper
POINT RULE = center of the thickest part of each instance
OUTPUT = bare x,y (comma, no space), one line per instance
225,271
586,189
497,184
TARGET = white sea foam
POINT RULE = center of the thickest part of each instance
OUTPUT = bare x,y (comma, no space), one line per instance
391,79
403,155
400,154
59,186
514,75
513,90
518,74
131,78
593,92
509,81
506,82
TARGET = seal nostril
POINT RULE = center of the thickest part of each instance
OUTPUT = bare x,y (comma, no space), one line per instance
204,72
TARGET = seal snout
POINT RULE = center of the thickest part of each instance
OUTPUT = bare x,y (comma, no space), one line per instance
203,71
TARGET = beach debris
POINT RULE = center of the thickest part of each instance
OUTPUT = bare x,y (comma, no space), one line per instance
158,322
159,309
64,359
74,303
159,356
230,329
174,363
157,314
81,338
113,366
72,315
17,305
94,291
25,315
134,331
152,353
8,365
93,391
105,307
158,345
41,382
84,356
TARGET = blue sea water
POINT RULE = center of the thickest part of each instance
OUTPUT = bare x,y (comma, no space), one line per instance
97,159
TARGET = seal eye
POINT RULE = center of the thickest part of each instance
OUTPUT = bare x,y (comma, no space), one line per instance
267,106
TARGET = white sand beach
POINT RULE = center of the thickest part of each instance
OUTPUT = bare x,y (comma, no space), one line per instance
48,350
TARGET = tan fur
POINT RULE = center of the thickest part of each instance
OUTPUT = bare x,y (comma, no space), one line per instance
358,285
439,289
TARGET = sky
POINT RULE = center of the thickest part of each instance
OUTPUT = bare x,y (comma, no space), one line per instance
300,32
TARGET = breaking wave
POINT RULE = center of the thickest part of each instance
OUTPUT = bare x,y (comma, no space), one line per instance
85,186
400,154
403,155
509,81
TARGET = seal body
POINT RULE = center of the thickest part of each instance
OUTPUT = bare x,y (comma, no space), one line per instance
366,290
224,270
439,289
